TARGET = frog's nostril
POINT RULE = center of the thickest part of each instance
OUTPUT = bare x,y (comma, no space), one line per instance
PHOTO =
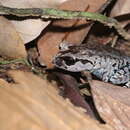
58,61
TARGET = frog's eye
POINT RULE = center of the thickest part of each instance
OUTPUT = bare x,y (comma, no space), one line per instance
68,60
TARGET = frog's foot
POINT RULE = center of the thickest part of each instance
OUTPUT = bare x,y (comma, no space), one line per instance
127,85
121,77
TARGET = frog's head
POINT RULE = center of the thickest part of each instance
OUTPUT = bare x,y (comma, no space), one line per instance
75,60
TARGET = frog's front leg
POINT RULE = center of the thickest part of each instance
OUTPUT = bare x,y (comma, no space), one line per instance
65,46
121,76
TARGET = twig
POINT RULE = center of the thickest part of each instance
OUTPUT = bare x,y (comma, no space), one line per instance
65,14
5,62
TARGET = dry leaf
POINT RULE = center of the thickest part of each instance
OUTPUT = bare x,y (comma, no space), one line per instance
30,29
112,103
49,43
121,7
104,35
71,91
11,45
121,11
33,103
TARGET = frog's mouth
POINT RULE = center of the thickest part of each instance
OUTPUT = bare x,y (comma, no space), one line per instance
72,64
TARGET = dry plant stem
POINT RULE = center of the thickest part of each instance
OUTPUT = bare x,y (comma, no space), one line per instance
65,14
5,62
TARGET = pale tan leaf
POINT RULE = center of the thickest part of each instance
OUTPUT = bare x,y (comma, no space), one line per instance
32,3
121,11
121,7
112,103
32,103
30,29
11,45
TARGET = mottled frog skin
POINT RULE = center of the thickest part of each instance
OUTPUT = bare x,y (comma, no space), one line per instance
104,62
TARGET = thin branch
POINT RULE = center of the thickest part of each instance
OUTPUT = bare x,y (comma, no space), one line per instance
65,14
5,62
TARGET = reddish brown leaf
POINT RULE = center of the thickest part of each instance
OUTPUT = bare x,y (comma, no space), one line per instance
48,44
71,91
112,103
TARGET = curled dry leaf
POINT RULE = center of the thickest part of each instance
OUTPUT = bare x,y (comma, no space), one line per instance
71,91
112,103
30,29
11,45
33,103
49,43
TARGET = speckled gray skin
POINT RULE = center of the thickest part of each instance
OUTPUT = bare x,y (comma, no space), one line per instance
104,62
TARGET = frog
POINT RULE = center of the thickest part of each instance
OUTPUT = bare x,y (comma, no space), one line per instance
103,61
